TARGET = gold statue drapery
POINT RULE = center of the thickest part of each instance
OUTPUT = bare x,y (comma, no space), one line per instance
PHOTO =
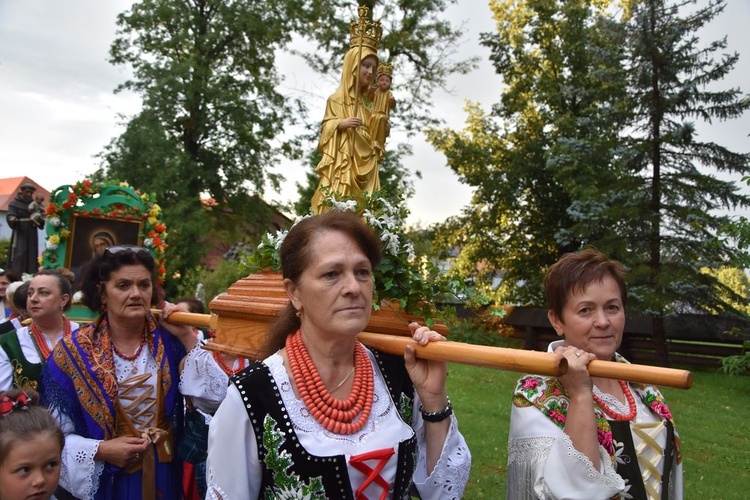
350,161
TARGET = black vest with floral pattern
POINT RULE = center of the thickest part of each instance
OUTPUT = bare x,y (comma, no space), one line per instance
288,470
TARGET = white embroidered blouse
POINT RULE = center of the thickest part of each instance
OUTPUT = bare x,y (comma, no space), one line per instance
234,471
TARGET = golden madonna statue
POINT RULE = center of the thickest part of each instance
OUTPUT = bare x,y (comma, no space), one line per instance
350,158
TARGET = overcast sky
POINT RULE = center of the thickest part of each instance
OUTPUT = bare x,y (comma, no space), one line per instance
58,110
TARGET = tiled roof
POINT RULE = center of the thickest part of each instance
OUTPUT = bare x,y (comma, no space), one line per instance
9,188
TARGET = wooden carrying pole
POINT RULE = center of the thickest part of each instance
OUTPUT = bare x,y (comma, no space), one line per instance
541,363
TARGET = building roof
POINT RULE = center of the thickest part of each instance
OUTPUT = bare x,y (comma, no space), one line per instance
10,186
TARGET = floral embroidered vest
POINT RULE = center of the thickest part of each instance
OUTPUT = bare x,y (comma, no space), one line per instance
25,374
287,468
548,395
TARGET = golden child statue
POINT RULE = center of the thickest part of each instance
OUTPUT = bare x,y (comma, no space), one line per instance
350,161
382,104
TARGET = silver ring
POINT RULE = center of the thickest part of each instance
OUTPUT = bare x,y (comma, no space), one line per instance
578,354
137,456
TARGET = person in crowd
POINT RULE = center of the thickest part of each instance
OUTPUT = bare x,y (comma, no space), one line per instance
584,437
349,163
31,445
115,385
20,296
16,296
24,352
24,242
323,416
6,278
199,411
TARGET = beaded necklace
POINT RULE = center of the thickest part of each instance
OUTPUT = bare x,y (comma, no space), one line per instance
336,415
225,367
40,340
613,414
131,357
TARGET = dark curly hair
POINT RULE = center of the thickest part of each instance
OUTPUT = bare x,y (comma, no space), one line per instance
99,269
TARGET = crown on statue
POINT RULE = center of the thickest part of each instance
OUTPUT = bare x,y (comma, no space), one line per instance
385,69
366,32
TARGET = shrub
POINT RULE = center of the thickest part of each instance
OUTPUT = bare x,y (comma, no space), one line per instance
736,365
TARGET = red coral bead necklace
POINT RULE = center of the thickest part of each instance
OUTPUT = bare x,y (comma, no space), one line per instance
225,367
612,413
41,340
336,415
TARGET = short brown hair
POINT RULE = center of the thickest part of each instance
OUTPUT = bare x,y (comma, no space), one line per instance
296,255
575,271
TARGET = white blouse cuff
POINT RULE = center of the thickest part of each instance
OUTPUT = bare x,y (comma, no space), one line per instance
451,473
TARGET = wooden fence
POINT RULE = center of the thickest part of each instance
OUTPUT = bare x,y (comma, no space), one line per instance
692,339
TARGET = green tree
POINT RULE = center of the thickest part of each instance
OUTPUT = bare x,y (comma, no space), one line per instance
677,215
733,287
594,143
211,110
548,153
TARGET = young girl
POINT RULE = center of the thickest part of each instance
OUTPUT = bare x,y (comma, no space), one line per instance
31,445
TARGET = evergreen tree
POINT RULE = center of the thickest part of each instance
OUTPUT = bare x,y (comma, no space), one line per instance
594,143
544,161
212,110
679,199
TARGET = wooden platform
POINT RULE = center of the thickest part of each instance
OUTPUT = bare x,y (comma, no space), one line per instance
253,302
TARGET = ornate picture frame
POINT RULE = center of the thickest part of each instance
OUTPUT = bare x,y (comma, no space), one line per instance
77,213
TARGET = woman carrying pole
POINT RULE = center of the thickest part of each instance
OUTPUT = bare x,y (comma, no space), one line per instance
322,416
578,436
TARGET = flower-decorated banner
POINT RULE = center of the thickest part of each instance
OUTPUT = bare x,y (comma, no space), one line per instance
113,205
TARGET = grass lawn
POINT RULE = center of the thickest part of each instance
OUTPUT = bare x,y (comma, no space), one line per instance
712,420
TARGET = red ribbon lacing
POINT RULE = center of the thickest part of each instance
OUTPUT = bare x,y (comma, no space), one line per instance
373,475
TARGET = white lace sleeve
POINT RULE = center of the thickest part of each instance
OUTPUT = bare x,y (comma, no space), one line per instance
451,473
203,380
233,471
543,464
6,371
79,473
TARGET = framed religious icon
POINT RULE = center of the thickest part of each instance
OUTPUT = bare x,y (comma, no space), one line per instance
86,218
91,236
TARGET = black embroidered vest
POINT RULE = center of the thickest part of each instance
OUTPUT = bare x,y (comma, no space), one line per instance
262,399
630,470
